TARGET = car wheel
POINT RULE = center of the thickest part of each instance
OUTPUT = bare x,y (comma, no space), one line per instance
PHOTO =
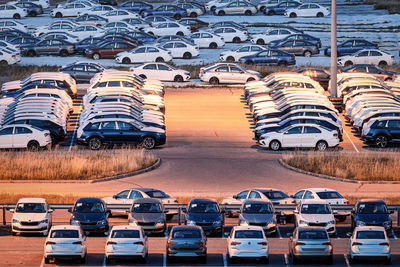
221,13
236,40
249,62
63,53
348,63
3,63
293,15
47,260
187,55
382,63
213,8
148,142
388,261
329,261
307,54
248,13
33,146
159,59
95,143
59,15
320,14
31,53
126,60
213,46
275,145
381,141
96,56
214,80
16,16
193,15
322,146
271,13
262,9
260,42
178,79
177,16
230,59
179,33
142,76
151,33
282,64
250,79
143,260
229,259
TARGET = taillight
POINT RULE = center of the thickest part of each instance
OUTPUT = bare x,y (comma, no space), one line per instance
172,242
327,244
335,134
46,134
299,243
50,243
294,201
111,243
77,243
263,243
138,243
356,244
384,244
234,243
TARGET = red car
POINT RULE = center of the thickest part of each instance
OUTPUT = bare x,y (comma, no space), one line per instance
194,24
108,49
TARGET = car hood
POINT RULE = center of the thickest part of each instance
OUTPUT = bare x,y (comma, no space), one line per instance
34,217
258,218
89,217
204,217
316,218
147,217
373,218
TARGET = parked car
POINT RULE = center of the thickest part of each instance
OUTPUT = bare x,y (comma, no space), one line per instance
375,71
161,71
42,3
8,57
180,49
207,40
60,36
236,8
91,214
24,136
117,15
192,9
207,214
31,8
262,5
82,71
12,12
280,8
70,10
108,49
186,242
382,131
247,242
350,47
375,57
194,24
148,213
310,242
31,215
57,132
227,73
269,57
298,37
277,197
271,35
235,55
84,44
166,10
48,47
11,24
168,28
65,242
136,6
88,19
144,54
228,23
126,241
108,2
371,212
259,212
99,10
298,48
317,74
231,34
308,10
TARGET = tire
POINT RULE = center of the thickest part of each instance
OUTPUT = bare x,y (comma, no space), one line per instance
249,62
250,79
59,15
214,81
95,143
388,261
320,15
236,40
230,259
33,146
382,63
148,143
180,34
275,145
230,59
212,9
17,16
187,55
248,13
3,63
381,141
260,42
330,260
193,15
31,53
348,63
151,33
262,9
159,59
126,60
271,13
321,145
282,64
13,233
47,260
177,16
143,76
293,15
213,46
307,54
294,260
96,56
178,79
64,53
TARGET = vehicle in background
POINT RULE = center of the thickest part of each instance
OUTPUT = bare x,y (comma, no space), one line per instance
262,5
8,57
259,212
82,71
280,8
12,12
143,54
167,11
88,19
236,8
71,9
136,6
273,34
108,49
372,56
207,40
382,131
192,9
235,55
180,49
227,73
161,72
231,34
371,212
194,24
48,47
148,213
308,10
317,74
298,48
375,71
17,136
350,47
270,58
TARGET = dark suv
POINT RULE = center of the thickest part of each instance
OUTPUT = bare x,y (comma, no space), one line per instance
371,212
382,132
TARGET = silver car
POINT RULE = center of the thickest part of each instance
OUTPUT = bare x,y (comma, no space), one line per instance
149,214
310,242
259,212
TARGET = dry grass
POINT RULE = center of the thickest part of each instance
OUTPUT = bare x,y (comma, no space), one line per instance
363,166
76,165
393,6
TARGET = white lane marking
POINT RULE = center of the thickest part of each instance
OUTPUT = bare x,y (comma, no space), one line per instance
164,257
224,259
104,261
351,141
347,260
394,235
42,262
74,133
286,259
279,232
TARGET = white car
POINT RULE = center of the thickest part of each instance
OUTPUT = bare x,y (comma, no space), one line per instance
70,10
329,195
227,73
368,242
367,56
180,49
301,136
65,241
98,10
247,242
43,3
236,8
117,15
312,212
168,28
308,10
191,9
271,35
59,26
12,12
231,34
143,54
120,24
24,136
126,241
155,20
12,24
235,55
213,4
8,57
161,72
31,215
207,40
87,31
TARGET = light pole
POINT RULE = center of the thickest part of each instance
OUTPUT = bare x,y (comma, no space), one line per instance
333,90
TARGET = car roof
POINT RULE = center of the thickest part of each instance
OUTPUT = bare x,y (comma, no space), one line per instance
372,228
89,199
31,200
370,200
251,201
65,227
317,228
313,201
147,200
186,227
126,227
320,189
247,227
203,200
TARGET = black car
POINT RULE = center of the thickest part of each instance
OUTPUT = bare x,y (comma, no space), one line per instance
57,132
207,214
383,132
117,131
371,212
91,214
82,71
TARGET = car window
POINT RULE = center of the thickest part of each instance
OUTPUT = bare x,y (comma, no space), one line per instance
124,194
222,69
146,208
363,54
169,45
89,207
329,195
235,69
315,209
361,69
64,234
295,130
250,234
394,124
299,194
370,235
372,208
308,195
150,67
208,207
125,126
256,48
242,195
157,194
7,131
30,208
311,130
258,208
312,235
22,130
135,194
125,234
375,53
373,70
152,50
163,67
254,195
108,125
178,234
347,44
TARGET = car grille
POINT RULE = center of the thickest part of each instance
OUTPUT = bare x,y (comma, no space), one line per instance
317,224
259,224
146,223
88,223
29,223
204,224
373,224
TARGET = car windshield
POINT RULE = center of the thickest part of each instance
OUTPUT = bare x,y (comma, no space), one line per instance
258,208
64,234
274,194
89,207
370,235
252,234
146,208
329,195
312,234
315,209
203,208
186,234
372,208
30,208
125,234
157,194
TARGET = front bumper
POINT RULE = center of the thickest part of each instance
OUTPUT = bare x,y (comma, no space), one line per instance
40,228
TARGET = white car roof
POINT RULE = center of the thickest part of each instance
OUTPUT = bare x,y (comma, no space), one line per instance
247,227
320,189
371,228
126,227
29,200
65,227
313,201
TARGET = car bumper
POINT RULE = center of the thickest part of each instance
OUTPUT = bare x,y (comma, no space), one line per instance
366,138
186,253
67,255
115,254
94,229
41,228
249,254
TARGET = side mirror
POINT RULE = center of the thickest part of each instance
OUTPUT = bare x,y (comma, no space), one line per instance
235,196
296,212
115,196
51,210
70,210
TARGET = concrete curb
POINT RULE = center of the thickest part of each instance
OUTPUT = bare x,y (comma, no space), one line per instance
323,176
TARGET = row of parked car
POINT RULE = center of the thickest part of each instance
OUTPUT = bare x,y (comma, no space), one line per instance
313,217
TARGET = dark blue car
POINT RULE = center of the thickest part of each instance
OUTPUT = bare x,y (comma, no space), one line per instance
136,6
118,131
23,40
167,11
293,37
270,57
81,46
371,212
350,47
207,214
383,132
141,37
280,8
91,214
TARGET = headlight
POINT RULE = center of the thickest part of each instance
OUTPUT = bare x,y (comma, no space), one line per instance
15,221
189,222
331,222
44,221
302,222
102,222
360,223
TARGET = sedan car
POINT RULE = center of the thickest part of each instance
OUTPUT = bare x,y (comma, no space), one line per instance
136,6
247,242
144,54
161,72
87,19
373,70
180,49
351,46
317,74
12,11
246,50
371,212
270,57
308,10
48,47
280,8
148,213
227,73
82,71
166,10
207,40
168,28
370,242
194,24
259,212
298,37
310,242
367,56
108,49
298,48
65,242
186,242
31,8
17,136
231,34
127,242
236,8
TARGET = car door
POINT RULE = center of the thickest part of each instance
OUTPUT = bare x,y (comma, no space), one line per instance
310,136
21,137
128,133
90,72
223,74
164,73
132,196
120,198
6,137
43,47
361,57
78,72
109,131
263,57
237,75
346,48
54,47
287,46
292,137
393,127
242,196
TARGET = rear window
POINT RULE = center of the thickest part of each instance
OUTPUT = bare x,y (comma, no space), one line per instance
313,235
186,234
370,235
64,234
249,234
125,234
157,194
329,195
274,194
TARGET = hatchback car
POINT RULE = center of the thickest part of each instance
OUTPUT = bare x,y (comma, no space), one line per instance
382,131
259,212
371,212
148,213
